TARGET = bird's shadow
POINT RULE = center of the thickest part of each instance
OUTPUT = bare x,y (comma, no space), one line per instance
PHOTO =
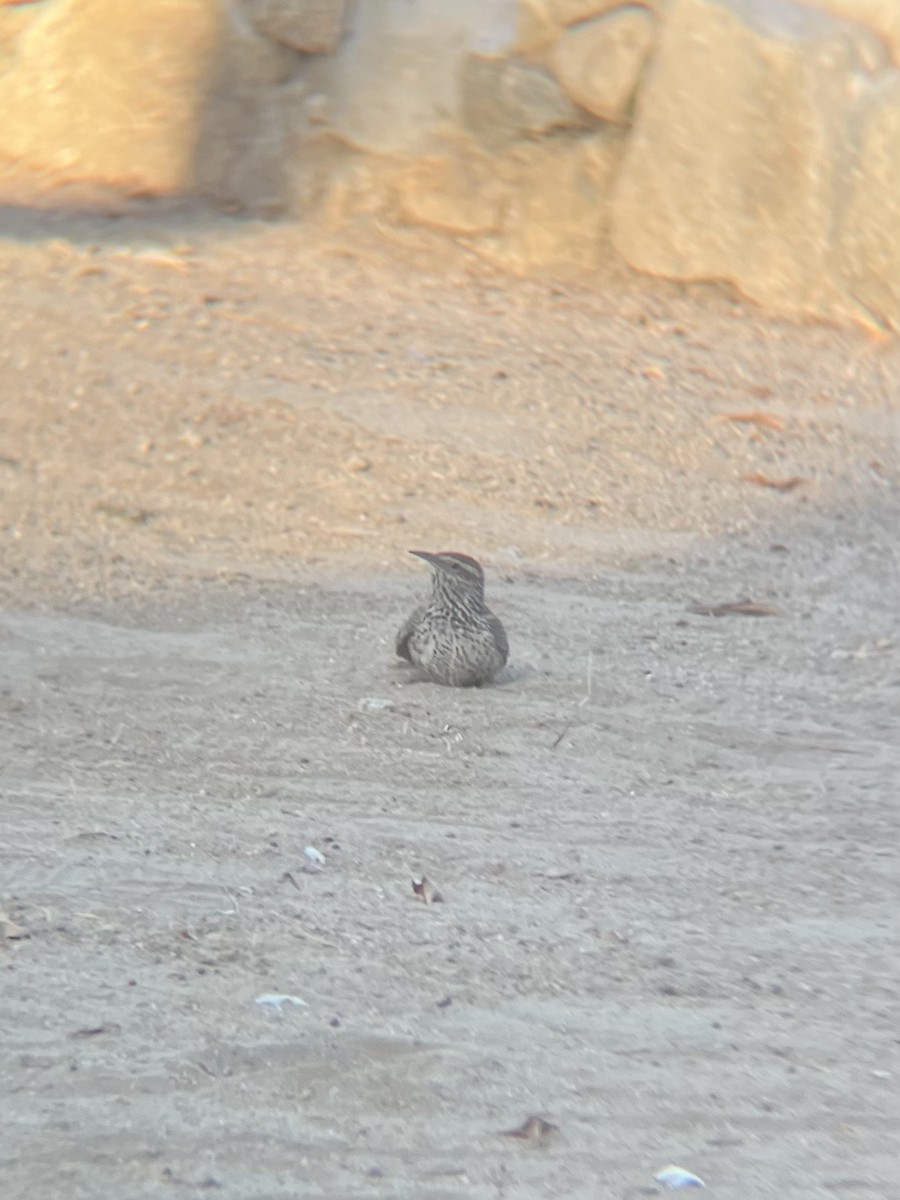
412,674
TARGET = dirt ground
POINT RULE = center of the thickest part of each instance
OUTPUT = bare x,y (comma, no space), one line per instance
666,841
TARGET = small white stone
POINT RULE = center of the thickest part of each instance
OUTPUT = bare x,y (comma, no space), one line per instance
276,1001
677,1177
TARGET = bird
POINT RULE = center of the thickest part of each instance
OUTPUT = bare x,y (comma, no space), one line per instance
454,638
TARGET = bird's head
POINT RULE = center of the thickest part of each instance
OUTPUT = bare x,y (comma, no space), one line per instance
456,571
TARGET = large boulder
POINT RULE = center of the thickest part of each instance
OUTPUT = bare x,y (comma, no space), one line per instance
395,87
869,221
240,156
744,130
109,92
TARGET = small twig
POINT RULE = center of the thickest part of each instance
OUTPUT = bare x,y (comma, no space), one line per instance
744,608
590,680
312,937
565,730
764,420
779,485
244,319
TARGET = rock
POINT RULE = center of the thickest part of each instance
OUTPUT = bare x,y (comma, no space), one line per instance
869,231
543,203
395,86
540,22
110,92
311,26
504,101
742,130
599,62
882,17
456,192
241,159
247,59
567,12
317,109
13,20
338,185
557,212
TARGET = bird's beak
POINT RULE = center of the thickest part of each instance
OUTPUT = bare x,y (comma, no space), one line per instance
428,557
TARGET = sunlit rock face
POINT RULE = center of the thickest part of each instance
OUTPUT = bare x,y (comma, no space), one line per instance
104,92
746,151
751,141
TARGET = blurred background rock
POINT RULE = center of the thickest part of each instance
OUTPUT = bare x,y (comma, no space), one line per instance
751,141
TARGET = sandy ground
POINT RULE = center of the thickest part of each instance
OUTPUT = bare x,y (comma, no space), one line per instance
666,841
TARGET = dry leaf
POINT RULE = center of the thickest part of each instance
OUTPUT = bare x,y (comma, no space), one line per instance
532,1129
780,485
424,890
765,420
741,608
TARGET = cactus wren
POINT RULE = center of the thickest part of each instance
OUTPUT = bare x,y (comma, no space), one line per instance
454,638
